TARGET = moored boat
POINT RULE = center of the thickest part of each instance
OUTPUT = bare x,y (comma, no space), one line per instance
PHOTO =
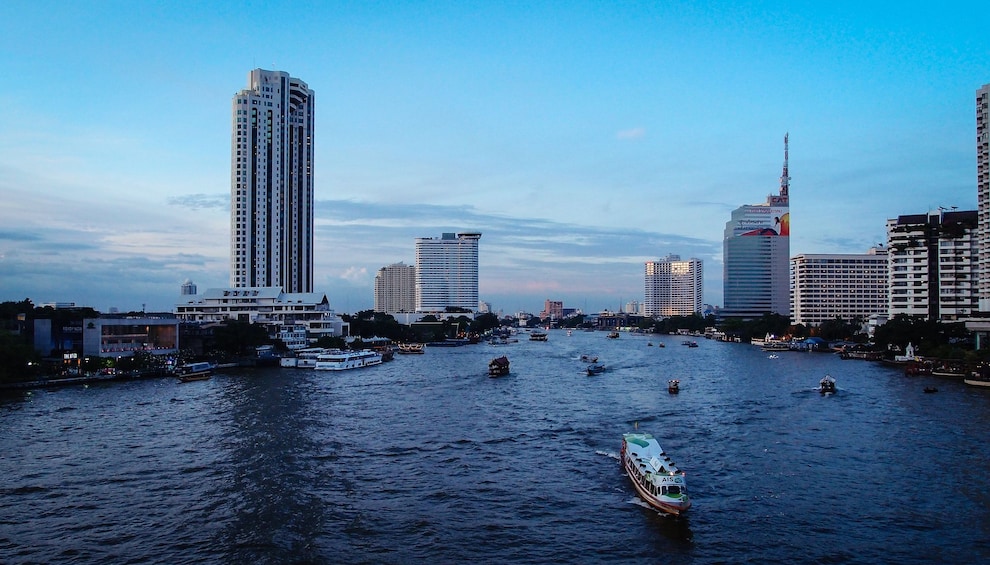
976,380
826,385
614,334
189,372
302,358
673,386
338,360
498,366
595,369
655,477
589,358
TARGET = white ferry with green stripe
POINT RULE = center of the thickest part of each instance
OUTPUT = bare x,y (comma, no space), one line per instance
656,478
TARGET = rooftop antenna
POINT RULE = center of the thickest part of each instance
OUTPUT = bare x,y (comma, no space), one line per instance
785,179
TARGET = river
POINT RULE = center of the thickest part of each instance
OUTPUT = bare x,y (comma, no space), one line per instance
427,459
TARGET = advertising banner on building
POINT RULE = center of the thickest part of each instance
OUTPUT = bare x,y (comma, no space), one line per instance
763,220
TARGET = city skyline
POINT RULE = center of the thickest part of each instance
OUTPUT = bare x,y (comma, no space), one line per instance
583,141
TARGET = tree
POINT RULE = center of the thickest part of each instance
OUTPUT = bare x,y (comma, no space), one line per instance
16,357
235,337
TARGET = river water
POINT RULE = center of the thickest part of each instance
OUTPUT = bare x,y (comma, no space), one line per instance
427,459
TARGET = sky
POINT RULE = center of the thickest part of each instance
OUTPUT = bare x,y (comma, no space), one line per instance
582,139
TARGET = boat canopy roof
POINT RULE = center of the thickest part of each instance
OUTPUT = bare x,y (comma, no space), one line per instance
646,451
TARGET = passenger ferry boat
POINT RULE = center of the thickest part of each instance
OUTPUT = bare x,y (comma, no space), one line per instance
538,336
656,478
194,371
303,358
337,360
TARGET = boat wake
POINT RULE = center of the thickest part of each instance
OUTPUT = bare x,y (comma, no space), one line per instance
608,454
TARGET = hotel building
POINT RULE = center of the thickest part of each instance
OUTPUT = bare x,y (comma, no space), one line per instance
847,286
933,264
673,287
395,289
271,183
447,272
756,256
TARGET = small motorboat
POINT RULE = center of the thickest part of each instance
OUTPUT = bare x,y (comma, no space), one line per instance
826,385
673,386
589,358
595,369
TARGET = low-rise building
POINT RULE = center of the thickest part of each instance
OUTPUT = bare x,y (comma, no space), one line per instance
297,318
123,336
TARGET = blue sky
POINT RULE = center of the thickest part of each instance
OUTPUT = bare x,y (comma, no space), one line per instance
581,138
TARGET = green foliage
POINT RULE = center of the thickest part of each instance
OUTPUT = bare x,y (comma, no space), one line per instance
838,329
239,338
328,342
485,322
693,322
773,324
16,357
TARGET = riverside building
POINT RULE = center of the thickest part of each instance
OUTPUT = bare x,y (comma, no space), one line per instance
673,287
756,256
395,289
271,184
296,318
934,265
847,286
447,272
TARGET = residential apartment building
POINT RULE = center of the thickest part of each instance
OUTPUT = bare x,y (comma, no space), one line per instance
983,192
553,309
756,256
673,287
271,184
933,265
447,272
847,286
296,318
395,288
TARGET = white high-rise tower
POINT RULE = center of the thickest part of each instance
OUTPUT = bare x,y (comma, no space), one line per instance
447,272
271,183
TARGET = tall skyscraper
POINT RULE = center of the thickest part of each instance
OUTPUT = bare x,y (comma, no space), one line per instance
673,287
447,272
983,192
756,249
395,288
271,183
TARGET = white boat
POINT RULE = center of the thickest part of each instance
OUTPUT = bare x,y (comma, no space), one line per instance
194,371
337,360
303,358
538,336
656,478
